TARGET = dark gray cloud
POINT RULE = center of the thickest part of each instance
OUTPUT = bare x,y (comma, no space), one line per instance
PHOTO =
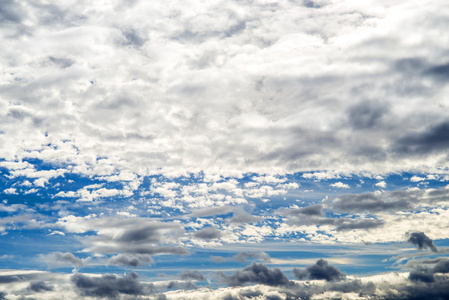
368,203
250,294
192,275
422,274
309,215
421,240
312,216
273,297
244,218
108,285
129,260
212,211
61,62
320,270
17,278
345,224
439,71
218,259
133,236
255,273
208,233
424,269
11,11
176,285
311,210
431,140
132,38
244,256
144,233
367,114
161,297
40,286
140,249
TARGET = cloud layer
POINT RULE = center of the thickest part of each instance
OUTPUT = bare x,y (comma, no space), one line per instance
146,86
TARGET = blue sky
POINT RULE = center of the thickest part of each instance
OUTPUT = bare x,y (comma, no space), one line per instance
224,149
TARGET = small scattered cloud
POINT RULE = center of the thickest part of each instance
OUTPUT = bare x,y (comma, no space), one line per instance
340,185
381,184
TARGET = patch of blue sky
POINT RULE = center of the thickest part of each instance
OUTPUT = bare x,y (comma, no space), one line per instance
21,247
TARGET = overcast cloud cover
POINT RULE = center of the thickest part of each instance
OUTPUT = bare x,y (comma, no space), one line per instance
224,149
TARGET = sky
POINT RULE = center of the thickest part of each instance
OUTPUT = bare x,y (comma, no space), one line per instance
224,149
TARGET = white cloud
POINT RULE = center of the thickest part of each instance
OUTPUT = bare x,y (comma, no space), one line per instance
381,184
417,178
340,185
11,191
321,175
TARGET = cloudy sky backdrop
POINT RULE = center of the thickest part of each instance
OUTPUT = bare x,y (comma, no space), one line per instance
224,149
